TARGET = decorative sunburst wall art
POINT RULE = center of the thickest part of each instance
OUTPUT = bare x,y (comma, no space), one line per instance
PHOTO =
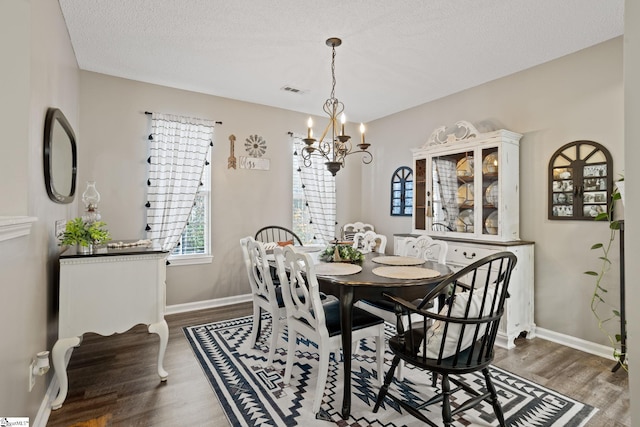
255,146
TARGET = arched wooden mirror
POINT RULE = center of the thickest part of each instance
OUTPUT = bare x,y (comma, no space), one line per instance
60,157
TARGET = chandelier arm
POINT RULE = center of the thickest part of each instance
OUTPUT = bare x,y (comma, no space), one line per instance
367,157
306,157
322,150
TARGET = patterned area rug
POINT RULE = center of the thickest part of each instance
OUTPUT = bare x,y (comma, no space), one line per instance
254,395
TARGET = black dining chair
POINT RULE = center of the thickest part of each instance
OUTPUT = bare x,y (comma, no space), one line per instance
457,340
277,234
280,235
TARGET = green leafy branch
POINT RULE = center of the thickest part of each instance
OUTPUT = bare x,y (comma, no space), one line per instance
79,232
598,297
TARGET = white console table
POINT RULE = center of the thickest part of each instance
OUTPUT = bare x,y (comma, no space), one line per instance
108,293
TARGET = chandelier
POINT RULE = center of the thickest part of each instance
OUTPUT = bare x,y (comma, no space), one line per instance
338,146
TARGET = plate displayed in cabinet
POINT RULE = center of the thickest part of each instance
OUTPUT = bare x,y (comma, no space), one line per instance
490,164
491,223
465,195
464,222
465,166
491,194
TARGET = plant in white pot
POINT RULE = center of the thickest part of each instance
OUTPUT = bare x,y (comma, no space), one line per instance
84,234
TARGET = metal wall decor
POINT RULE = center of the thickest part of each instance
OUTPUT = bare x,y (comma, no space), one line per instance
580,181
255,145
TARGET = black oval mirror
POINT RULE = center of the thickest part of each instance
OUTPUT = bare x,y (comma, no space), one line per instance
60,157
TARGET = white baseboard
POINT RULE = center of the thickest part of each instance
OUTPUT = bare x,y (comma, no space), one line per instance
577,343
201,305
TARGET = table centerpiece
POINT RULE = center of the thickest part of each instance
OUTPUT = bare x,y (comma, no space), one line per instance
341,253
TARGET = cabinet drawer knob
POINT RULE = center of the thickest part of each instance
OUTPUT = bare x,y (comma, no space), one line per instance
472,256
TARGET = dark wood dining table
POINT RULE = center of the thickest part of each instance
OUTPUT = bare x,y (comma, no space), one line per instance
366,285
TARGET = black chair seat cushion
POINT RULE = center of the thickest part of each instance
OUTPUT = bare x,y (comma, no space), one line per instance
360,319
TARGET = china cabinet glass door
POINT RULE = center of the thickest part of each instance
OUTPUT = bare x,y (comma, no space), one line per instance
466,192
452,185
490,191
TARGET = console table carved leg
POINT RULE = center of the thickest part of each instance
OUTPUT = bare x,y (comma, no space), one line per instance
58,355
162,330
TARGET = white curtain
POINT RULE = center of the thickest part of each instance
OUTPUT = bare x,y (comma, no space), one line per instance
178,151
319,188
445,188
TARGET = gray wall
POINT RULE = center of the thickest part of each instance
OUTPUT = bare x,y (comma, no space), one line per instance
579,96
38,71
116,129
632,178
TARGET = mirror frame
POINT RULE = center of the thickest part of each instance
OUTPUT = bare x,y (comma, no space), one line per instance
54,118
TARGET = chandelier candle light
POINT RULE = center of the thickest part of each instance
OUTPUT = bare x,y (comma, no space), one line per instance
339,147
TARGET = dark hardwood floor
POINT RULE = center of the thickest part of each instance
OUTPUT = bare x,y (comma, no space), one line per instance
113,380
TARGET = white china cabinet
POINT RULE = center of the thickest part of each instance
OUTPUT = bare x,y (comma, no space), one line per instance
467,193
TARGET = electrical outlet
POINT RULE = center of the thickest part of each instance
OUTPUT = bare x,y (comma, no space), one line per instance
32,377
59,227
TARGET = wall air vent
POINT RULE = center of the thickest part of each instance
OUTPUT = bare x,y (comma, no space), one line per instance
289,88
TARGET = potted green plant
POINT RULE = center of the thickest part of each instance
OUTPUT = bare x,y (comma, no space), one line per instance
84,234
603,311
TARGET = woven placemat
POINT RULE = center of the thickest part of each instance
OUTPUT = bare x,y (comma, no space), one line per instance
337,269
404,272
398,260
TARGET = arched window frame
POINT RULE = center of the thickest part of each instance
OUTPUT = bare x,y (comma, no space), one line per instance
402,192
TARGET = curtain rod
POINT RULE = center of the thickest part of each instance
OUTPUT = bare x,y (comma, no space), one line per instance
149,113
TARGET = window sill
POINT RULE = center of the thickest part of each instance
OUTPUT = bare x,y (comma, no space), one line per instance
189,259
12,227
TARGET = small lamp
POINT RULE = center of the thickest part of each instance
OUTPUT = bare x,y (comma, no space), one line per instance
91,198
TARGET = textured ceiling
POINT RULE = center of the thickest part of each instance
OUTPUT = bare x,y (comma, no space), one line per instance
394,54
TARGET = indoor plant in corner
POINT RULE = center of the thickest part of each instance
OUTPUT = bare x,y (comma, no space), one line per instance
84,234
616,340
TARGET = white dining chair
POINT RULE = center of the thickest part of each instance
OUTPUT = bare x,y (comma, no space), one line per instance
370,241
425,247
308,316
351,228
266,296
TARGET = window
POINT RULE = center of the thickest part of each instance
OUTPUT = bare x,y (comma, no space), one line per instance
314,203
301,225
193,245
402,192
178,186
